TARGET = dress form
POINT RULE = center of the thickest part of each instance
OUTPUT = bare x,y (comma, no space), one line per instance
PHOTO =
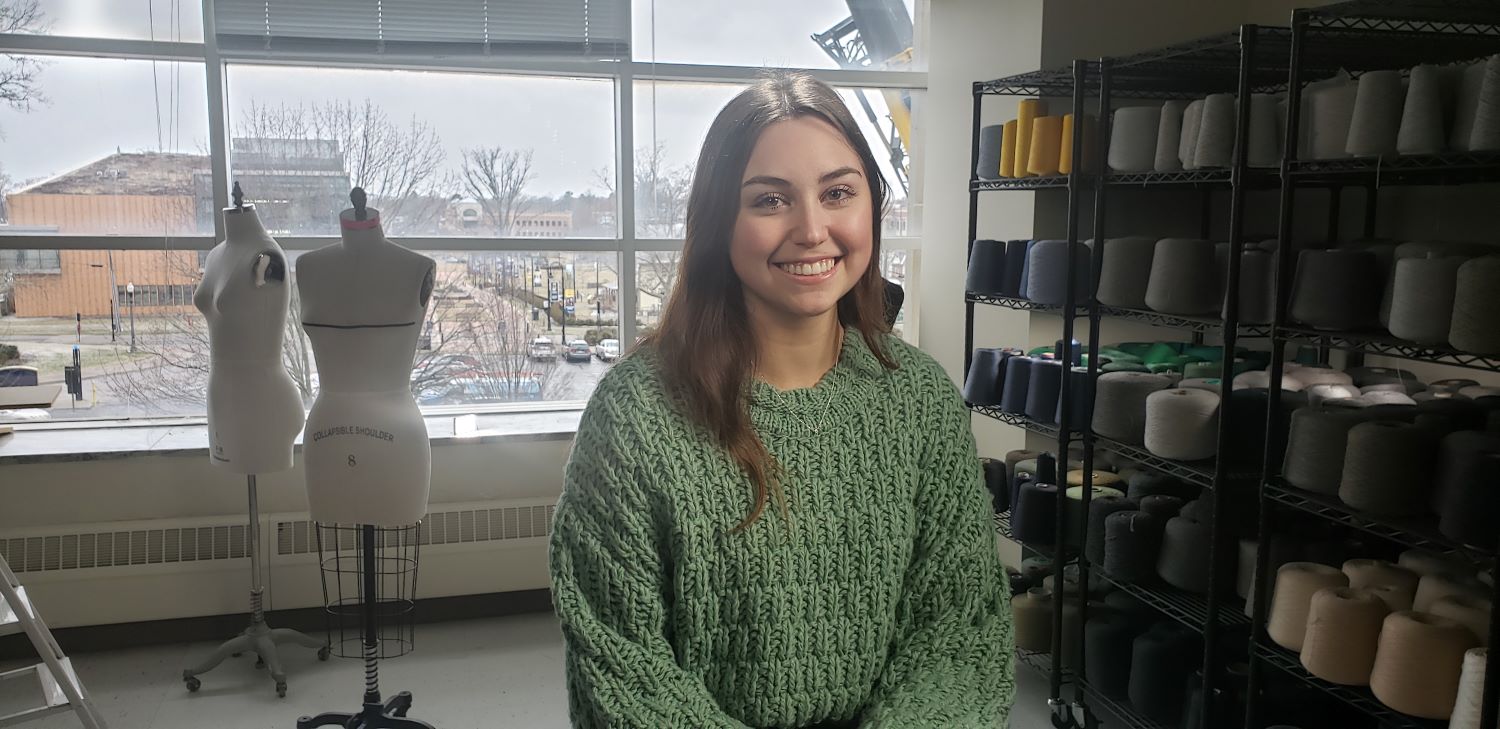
254,407
366,450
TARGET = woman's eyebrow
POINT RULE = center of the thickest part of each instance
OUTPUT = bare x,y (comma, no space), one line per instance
778,182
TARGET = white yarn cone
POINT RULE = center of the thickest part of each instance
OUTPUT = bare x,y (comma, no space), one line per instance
1187,147
1471,86
1377,114
1423,130
1169,137
1132,139
1215,132
1485,136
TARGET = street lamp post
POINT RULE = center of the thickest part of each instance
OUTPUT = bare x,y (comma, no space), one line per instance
130,301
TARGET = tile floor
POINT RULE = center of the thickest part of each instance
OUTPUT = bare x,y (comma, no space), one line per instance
500,673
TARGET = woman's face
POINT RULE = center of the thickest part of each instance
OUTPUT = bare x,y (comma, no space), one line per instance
803,235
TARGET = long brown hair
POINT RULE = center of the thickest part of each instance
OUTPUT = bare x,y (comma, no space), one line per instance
705,355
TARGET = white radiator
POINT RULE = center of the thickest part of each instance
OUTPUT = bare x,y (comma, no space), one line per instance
121,572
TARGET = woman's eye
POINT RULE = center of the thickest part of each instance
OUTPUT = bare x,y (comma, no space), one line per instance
839,194
769,202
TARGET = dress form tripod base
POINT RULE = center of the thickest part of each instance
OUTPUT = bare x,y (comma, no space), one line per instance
259,637
375,715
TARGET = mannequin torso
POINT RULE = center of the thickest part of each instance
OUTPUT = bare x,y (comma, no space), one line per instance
254,407
366,451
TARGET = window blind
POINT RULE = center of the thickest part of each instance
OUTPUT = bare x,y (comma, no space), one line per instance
596,29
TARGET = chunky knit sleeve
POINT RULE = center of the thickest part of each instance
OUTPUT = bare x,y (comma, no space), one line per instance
607,578
951,665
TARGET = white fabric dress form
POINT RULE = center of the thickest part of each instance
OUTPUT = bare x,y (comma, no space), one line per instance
254,407
365,448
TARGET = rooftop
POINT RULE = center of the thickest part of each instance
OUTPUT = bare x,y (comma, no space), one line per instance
127,173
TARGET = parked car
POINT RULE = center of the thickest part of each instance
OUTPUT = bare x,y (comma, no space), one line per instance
578,351
608,350
543,350
483,390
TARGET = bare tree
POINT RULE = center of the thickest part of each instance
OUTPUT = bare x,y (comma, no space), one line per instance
497,178
19,86
397,165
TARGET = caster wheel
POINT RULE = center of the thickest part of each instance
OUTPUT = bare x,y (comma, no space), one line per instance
324,652
192,683
281,689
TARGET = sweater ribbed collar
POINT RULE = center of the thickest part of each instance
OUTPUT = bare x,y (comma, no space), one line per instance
843,392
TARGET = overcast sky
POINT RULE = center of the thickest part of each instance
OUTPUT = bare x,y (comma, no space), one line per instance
96,106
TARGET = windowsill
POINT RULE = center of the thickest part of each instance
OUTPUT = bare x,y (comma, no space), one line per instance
58,443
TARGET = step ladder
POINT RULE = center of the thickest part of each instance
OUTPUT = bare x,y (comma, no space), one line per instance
61,689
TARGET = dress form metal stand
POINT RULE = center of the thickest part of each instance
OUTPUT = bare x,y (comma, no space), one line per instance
389,614
259,637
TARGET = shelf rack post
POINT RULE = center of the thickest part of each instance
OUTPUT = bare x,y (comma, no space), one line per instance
1259,592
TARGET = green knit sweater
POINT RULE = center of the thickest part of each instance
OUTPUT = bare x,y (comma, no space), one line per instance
881,604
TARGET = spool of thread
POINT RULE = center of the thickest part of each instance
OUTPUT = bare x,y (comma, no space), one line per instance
1132,540
1120,404
1374,376
1182,423
1296,583
1265,132
1378,100
1426,563
1466,610
1466,492
1184,560
1485,136
982,386
1395,597
1082,400
1031,616
995,483
1162,506
1043,387
1162,659
987,268
1385,468
1187,143
1387,262
1150,483
1368,573
1438,585
1026,270
1211,384
1065,144
1046,146
1125,269
1343,631
1257,287
1183,278
1047,272
1336,289
1108,641
990,139
1216,126
1132,139
1320,393
1037,568
1471,86
1422,130
1012,461
1476,319
1474,392
1200,509
1075,518
1453,385
1313,376
1329,111
1100,508
1169,137
1015,262
1418,664
1034,516
1387,397
1016,384
1007,149
1026,112
1468,707
1422,300
1316,446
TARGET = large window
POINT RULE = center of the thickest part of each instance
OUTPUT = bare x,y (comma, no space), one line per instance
492,143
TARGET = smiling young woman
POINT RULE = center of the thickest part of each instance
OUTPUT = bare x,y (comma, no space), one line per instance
873,596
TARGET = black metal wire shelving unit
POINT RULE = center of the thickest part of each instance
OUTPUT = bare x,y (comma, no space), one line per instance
1252,60
1360,36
